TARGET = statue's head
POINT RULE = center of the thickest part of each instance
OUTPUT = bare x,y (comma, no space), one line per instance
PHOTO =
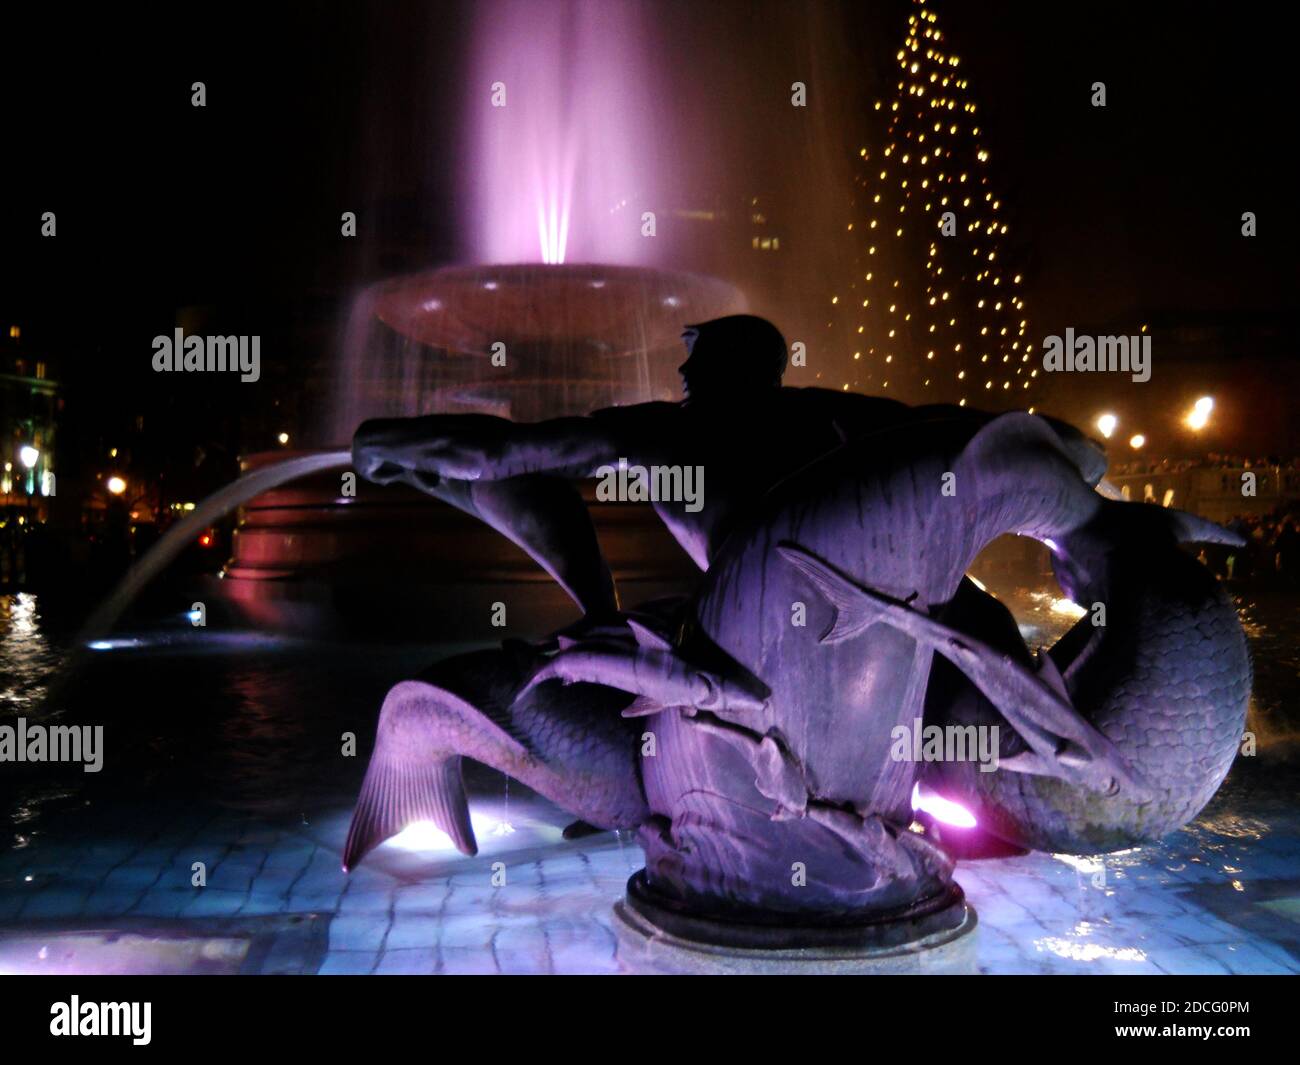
738,355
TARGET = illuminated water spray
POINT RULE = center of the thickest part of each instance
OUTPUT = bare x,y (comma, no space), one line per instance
569,132
560,131
553,220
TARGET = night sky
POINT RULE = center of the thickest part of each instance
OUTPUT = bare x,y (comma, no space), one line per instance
318,108
1139,204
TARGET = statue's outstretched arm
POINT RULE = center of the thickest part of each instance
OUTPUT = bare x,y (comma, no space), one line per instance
478,447
543,515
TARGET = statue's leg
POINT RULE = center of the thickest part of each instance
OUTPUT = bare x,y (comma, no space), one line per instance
570,745
547,517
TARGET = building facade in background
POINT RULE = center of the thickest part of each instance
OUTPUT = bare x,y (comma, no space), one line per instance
29,407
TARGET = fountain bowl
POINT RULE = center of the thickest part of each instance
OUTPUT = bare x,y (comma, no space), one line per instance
526,341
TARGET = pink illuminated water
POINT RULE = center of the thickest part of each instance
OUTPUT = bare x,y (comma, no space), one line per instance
561,135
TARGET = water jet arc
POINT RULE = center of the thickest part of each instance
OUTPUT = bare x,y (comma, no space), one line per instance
212,509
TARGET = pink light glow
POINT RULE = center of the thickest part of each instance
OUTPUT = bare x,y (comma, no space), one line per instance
943,810
562,172
553,223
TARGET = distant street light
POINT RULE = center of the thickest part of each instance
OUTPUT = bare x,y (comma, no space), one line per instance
1106,423
1200,414
1136,441
28,456
283,438
115,485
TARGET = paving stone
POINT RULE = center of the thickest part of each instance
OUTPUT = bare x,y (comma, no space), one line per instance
348,963
467,961
408,962
357,933
413,931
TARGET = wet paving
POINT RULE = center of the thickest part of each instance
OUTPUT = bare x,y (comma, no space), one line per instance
224,763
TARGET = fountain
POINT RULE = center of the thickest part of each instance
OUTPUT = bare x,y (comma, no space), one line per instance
746,791
569,339
526,341
564,312
747,728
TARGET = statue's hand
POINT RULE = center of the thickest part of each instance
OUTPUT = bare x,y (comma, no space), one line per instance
421,451
373,455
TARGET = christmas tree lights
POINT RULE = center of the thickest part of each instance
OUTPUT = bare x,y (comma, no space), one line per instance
932,311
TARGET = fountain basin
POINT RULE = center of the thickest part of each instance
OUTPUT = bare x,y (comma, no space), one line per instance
525,341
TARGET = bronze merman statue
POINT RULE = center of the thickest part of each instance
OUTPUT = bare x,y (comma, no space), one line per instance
745,731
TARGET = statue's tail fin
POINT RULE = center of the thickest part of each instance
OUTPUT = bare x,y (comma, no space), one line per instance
414,773
855,611
568,744
395,795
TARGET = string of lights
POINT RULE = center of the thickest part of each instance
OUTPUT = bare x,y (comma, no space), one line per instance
932,311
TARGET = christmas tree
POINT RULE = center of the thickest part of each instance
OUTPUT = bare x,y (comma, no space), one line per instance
932,312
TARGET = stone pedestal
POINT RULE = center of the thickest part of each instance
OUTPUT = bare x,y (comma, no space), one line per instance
656,937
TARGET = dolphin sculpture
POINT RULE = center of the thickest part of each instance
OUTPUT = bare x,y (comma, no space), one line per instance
1166,680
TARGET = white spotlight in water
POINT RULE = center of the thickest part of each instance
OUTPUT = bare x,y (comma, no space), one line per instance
114,644
426,836
1106,424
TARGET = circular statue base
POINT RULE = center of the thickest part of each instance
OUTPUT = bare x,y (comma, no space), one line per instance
658,935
